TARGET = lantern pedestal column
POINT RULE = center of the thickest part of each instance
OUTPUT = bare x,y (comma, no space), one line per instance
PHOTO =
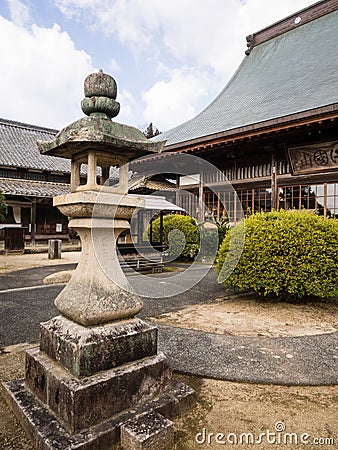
97,380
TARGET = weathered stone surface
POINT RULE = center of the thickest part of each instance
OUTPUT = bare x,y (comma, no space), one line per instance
54,248
107,205
100,84
100,105
98,291
149,431
176,405
101,134
85,351
47,433
85,383
62,277
81,403
36,377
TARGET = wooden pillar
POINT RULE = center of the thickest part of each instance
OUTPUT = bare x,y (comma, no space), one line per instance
178,197
252,208
151,231
140,226
161,227
105,174
274,189
33,221
200,201
235,198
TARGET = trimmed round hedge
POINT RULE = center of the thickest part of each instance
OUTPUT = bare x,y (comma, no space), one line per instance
180,234
290,254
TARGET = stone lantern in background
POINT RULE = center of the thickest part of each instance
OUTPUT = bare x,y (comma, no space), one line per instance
97,379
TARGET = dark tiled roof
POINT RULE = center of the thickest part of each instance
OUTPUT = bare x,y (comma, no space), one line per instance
10,186
154,185
18,147
292,73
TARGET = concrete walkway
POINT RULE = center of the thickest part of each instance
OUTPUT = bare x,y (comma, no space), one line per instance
303,360
307,360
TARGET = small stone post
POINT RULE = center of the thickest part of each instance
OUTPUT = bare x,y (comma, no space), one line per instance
97,367
54,248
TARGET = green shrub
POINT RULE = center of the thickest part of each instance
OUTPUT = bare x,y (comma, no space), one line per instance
223,226
212,234
180,235
290,254
3,208
209,240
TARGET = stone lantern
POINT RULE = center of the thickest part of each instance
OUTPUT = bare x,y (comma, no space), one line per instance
96,379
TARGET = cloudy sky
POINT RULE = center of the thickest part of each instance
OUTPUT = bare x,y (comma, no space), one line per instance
170,58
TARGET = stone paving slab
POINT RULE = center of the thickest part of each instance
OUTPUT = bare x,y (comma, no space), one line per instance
303,360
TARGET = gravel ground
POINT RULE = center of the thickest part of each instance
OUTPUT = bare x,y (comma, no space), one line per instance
225,410
222,407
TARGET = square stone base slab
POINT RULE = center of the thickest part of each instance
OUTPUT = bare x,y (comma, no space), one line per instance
147,432
85,351
84,402
47,433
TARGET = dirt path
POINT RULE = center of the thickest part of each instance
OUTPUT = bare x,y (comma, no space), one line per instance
223,407
226,412
10,263
253,317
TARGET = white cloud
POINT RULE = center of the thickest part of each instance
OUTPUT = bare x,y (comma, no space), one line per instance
192,47
257,14
19,12
128,106
43,80
182,33
194,32
72,8
171,102
114,66
122,18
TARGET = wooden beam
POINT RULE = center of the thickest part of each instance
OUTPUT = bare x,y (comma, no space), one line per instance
291,22
274,191
33,221
315,116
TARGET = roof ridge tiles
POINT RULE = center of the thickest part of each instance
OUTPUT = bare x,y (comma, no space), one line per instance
16,180
295,20
27,126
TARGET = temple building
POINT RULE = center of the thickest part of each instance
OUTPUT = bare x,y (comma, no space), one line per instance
272,131
30,181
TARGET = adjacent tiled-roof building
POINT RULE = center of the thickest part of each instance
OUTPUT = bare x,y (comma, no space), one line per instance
289,73
29,188
18,147
30,180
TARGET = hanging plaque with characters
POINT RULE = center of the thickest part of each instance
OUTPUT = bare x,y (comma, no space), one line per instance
313,158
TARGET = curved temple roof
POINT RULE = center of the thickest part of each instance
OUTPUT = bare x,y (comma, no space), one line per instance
291,73
18,147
